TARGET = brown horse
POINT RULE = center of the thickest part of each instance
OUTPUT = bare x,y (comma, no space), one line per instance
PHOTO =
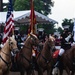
68,61
5,55
44,58
24,59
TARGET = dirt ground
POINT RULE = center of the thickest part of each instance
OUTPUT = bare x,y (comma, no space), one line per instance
17,73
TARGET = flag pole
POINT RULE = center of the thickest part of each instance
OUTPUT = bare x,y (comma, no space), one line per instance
31,16
13,35
9,25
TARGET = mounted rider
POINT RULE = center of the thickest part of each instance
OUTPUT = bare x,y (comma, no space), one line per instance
65,37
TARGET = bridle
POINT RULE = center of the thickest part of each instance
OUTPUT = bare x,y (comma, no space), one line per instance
50,48
33,40
9,55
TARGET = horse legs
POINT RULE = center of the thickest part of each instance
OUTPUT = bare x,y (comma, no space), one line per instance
5,73
57,71
33,72
48,72
68,71
22,73
72,73
60,71
40,71
29,72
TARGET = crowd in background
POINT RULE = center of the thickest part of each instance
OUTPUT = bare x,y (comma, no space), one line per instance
19,38
62,43
43,37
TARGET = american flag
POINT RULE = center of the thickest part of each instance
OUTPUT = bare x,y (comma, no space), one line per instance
9,25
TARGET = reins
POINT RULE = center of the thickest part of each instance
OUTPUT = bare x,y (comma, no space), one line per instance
5,53
7,63
46,60
29,49
25,57
23,54
49,48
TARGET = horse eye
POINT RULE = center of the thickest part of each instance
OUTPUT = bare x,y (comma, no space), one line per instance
31,38
11,43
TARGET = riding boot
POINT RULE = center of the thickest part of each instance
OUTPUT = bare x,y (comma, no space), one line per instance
58,61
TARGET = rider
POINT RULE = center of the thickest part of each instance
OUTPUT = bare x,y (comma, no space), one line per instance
64,39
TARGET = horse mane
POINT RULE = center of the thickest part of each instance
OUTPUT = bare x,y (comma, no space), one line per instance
31,34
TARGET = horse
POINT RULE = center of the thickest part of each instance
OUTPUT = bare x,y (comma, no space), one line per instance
68,62
5,55
44,57
24,60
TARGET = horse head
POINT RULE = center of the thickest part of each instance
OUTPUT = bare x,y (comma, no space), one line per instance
34,39
12,44
51,42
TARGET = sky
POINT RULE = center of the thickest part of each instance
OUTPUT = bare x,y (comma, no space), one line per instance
5,1
62,9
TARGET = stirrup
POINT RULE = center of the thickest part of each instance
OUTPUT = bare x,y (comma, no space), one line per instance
56,65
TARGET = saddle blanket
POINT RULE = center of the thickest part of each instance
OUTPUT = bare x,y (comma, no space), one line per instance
55,54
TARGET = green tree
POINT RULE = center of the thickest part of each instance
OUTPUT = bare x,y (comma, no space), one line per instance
5,5
68,22
60,29
49,28
41,6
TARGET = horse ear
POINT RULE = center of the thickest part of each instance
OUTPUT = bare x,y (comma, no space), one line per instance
49,36
13,36
7,37
31,34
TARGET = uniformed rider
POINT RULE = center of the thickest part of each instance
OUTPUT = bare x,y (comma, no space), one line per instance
64,42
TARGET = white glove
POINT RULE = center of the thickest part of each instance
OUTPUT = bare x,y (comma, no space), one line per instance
67,38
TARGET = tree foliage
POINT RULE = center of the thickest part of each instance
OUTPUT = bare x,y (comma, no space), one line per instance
68,22
41,6
60,29
5,5
49,28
